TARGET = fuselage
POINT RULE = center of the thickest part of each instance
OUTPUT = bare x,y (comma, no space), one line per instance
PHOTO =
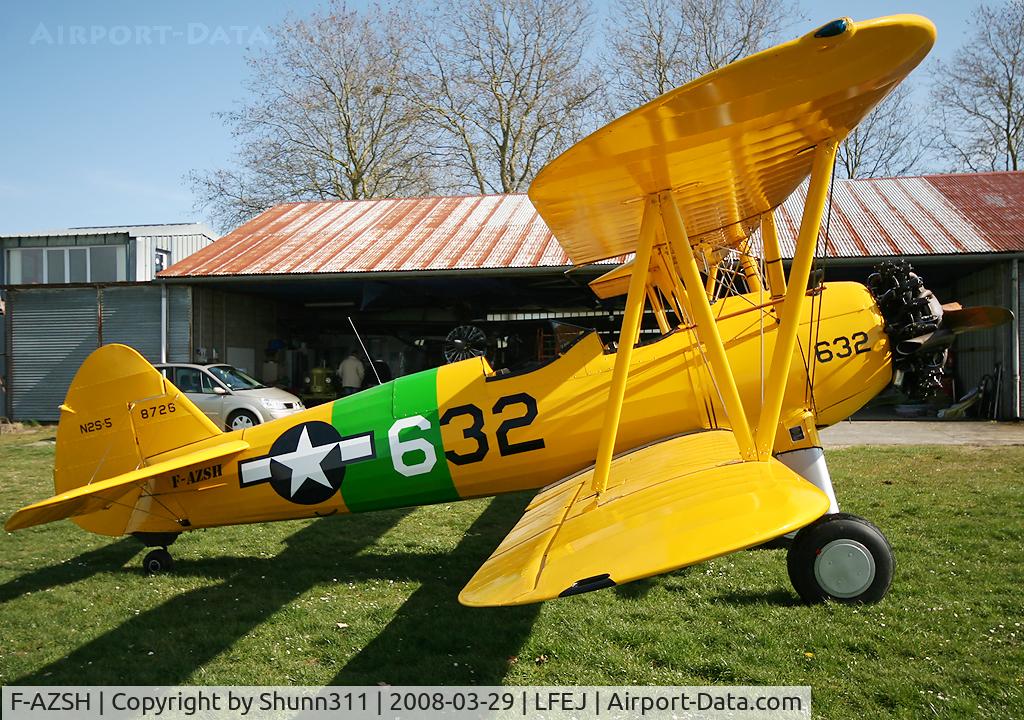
463,431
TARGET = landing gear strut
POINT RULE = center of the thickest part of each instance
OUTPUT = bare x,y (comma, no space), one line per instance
158,560
841,557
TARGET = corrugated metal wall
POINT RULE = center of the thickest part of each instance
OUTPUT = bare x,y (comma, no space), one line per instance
54,330
180,247
4,332
131,316
3,355
1018,312
179,323
976,353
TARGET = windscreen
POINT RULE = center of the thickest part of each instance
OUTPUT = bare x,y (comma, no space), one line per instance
234,378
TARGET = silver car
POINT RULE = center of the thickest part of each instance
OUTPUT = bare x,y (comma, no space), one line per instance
230,397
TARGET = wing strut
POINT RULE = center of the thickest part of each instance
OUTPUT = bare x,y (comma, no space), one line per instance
772,256
749,269
658,309
753,445
707,328
627,339
789,315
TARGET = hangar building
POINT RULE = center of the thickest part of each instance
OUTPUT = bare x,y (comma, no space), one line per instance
420,278
289,285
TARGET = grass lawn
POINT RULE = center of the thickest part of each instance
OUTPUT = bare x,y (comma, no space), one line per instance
372,598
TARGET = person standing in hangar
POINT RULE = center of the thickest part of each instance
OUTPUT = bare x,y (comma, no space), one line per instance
351,372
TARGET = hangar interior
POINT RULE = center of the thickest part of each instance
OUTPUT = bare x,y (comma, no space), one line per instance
278,329
281,328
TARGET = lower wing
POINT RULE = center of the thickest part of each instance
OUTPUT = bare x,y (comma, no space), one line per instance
670,504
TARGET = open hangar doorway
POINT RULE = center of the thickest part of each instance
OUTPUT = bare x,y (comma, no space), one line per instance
294,331
282,328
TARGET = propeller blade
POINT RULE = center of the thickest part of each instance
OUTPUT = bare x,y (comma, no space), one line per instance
975,318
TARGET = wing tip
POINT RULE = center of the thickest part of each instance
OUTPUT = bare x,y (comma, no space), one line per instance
20,520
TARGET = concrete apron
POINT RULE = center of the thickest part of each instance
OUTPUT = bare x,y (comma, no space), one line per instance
922,432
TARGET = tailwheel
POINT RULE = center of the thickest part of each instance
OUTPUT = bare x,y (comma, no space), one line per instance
841,557
158,561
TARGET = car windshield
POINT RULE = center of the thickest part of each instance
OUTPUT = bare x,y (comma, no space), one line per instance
234,378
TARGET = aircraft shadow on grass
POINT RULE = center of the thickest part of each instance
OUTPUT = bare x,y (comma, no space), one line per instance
429,637
81,567
426,641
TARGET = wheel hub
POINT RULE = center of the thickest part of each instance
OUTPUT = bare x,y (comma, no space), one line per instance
844,568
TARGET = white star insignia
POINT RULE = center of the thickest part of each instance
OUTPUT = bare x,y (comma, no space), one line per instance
304,462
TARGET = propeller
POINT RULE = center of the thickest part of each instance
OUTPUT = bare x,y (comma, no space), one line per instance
464,342
981,317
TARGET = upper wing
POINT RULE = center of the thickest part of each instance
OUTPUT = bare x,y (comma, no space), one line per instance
670,504
731,145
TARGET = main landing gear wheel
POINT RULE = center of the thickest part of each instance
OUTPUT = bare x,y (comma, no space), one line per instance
157,561
841,557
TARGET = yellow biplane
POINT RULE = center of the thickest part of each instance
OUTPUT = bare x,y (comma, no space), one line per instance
651,457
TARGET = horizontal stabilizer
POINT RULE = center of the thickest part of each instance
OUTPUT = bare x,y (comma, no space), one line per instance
674,503
101,495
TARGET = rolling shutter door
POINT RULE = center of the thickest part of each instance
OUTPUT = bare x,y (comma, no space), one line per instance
52,332
179,323
131,316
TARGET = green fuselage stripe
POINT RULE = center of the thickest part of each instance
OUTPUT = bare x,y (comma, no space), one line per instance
377,484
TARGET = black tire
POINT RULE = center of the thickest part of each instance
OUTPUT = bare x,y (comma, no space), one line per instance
816,561
157,561
244,419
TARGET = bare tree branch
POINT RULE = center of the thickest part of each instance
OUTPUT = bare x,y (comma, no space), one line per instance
980,93
890,141
503,88
657,45
328,117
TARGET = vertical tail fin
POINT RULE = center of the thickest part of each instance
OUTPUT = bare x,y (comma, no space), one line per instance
119,412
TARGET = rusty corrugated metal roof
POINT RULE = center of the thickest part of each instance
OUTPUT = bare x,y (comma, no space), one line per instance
391,235
929,215
992,202
937,214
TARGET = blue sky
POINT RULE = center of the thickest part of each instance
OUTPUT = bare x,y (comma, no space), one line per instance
108,104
